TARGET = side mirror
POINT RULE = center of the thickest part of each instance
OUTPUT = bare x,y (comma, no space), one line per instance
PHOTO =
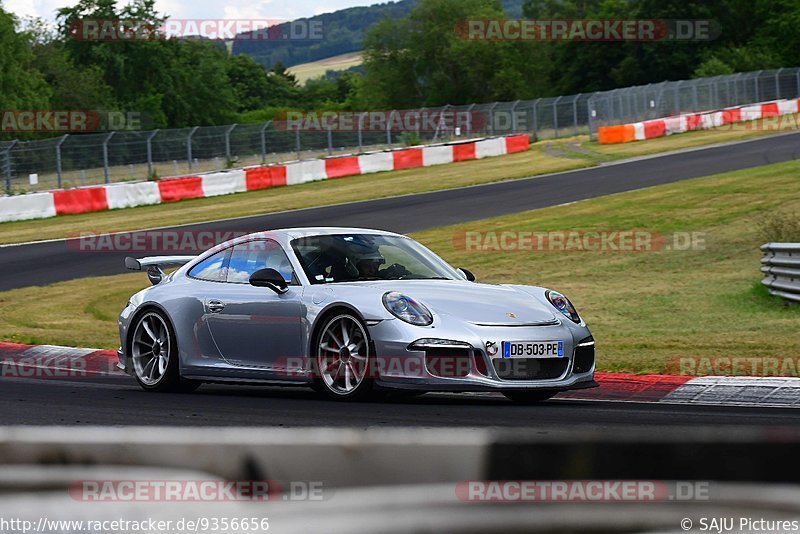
467,274
269,278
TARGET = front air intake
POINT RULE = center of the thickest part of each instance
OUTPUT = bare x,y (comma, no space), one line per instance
584,356
448,362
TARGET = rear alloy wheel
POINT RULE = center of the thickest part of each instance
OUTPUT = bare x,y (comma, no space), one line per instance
343,358
154,353
529,397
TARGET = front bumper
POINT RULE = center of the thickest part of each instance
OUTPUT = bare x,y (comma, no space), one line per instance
412,370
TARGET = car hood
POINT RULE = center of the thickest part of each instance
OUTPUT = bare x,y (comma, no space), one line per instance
483,304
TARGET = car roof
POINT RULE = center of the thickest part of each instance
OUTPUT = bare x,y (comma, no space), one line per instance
284,235
294,233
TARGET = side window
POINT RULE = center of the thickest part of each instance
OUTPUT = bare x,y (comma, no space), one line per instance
211,269
252,256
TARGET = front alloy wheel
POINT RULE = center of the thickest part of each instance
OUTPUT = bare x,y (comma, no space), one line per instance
343,358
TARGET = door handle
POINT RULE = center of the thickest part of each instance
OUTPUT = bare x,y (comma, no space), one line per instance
215,306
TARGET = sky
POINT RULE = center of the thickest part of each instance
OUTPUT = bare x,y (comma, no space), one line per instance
279,10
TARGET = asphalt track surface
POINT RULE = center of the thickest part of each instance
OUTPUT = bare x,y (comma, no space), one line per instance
48,262
115,401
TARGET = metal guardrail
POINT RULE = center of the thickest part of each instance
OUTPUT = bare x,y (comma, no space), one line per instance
781,265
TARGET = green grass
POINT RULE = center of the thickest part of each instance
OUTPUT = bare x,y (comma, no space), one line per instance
644,308
648,307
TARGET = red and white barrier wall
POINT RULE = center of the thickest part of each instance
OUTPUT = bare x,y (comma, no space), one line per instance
129,194
639,131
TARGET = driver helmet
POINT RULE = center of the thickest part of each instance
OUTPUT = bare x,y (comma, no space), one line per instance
368,254
372,255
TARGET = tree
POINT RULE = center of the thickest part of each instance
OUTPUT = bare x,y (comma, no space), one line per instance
22,87
424,59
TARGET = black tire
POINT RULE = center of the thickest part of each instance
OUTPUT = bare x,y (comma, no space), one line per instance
327,385
158,330
529,397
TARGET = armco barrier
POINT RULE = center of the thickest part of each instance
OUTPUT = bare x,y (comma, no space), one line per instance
409,158
174,189
641,131
130,195
24,207
781,265
127,195
80,200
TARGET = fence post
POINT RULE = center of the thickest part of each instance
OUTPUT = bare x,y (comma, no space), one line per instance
575,110
150,153
228,143
713,92
469,111
555,116
491,117
695,106
798,82
189,146
263,135
389,128
8,165
297,140
105,156
535,119
439,122
514,116
797,75
756,79
736,89
329,135
361,131
58,158
778,84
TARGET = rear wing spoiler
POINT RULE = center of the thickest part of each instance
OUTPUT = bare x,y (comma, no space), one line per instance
154,265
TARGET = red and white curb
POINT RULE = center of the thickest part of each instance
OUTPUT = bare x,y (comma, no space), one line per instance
52,361
687,122
130,194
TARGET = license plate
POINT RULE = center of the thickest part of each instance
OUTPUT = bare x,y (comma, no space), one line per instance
533,349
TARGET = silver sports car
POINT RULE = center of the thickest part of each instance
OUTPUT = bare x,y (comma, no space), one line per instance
349,312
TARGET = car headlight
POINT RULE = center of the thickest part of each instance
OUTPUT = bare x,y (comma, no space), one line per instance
562,304
407,309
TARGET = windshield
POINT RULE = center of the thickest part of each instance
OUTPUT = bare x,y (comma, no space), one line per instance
360,257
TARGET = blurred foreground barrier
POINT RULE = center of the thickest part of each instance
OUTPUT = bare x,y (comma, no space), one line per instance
348,458
781,265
